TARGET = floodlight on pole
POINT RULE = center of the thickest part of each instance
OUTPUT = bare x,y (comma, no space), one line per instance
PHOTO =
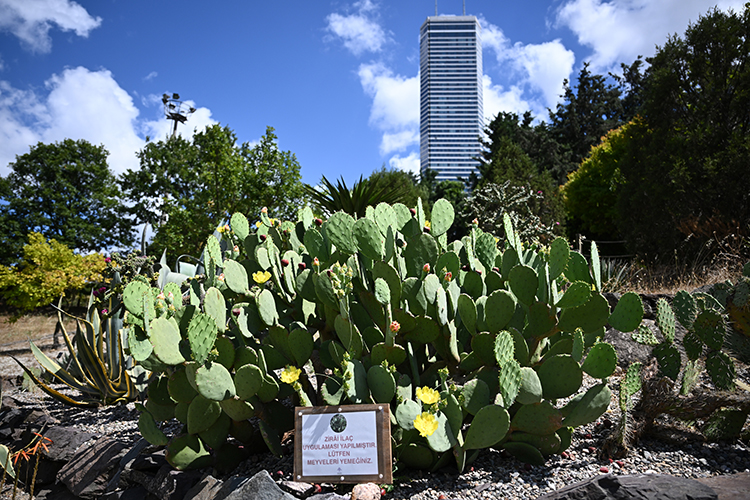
176,110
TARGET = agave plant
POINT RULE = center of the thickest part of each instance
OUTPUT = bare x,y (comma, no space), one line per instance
98,368
353,201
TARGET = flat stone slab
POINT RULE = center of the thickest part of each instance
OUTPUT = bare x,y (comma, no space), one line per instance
731,487
634,487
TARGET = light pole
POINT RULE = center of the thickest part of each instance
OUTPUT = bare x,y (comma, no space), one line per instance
176,110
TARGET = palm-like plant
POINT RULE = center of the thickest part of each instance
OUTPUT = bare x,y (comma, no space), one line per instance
98,367
353,201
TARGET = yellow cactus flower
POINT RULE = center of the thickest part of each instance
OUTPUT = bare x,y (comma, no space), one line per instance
427,224
290,374
426,424
427,395
261,277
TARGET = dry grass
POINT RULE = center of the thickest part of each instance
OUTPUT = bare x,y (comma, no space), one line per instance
38,327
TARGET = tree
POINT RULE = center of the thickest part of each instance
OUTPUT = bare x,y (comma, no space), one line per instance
685,172
199,184
406,184
586,114
47,271
64,191
331,198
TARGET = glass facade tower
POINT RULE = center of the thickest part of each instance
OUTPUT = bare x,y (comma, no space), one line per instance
451,117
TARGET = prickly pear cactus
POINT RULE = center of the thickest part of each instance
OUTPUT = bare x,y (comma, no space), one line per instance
473,343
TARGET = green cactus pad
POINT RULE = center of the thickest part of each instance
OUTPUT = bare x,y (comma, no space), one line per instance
356,379
214,382
332,391
165,337
559,253
503,348
245,355
628,313
395,355
161,413
524,452
709,326
693,345
589,317
247,381
685,308
520,347
179,388
724,424
269,389
239,225
349,335
509,261
381,383
473,284
315,244
339,229
369,239
187,452
631,383
216,435
235,276
267,308
213,251
721,369
499,310
237,409
561,376
486,250
385,216
644,336
132,297
483,345
467,310
578,269
224,352
542,320
442,439
215,306
509,380
601,361
538,418
669,360
406,412
530,389
301,345
158,390
475,395
202,333
420,250
138,344
150,431
202,414
523,282
579,344
426,330
588,408
577,294
547,445
665,319
489,427
417,456
442,217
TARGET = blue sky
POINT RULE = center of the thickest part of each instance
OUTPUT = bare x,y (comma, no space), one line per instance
338,80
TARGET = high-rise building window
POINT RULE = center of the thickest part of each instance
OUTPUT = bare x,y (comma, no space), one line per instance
451,114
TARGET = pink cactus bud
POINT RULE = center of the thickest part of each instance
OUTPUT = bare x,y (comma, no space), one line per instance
264,210
475,222
107,260
413,211
316,262
263,237
395,326
236,312
426,229
448,276
318,222
302,266
284,262
426,268
236,249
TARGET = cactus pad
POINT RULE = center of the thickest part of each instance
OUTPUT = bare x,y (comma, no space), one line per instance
490,425
628,313
561,376
709,326
202,333
577,294
601,361
475,395
665,319
721,369
669,360
187,452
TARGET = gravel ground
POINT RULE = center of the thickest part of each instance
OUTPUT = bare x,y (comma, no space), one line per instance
494,474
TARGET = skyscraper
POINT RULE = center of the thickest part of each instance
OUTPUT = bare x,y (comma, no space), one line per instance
451,118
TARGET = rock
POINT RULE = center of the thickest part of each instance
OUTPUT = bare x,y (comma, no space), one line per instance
327,496
206,489
732,487
259,487
87,473
366,491
65,442
137,493
298,489
172,484
651,486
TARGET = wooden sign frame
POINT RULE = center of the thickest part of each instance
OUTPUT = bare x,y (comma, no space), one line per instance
383,443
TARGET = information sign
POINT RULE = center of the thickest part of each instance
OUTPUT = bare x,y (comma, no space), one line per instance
343,444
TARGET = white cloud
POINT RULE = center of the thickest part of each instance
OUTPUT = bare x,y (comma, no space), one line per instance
395,105
618,31
360,32
497,98
80,104
31,20
538,69
150,76
160,128
408,164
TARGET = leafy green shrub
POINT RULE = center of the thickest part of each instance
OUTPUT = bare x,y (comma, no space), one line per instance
47,271
473,346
